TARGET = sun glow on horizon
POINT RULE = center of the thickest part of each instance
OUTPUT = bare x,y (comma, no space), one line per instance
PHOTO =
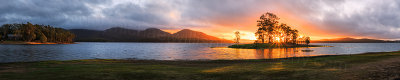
247,33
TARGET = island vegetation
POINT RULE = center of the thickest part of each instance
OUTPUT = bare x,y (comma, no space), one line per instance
272,34
34,34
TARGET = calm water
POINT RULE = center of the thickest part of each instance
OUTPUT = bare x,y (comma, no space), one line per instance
175,51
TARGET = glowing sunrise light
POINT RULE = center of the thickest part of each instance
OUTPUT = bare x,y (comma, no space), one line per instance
277,39
246,35
251,38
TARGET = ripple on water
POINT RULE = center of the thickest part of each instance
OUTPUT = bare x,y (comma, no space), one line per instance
175,51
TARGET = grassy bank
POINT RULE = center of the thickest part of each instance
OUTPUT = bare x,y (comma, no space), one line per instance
270,45
306,68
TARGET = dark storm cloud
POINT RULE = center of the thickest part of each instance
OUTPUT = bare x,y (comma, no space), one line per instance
224,12
369,18
363,18
54,12
148,13
195,13
377,19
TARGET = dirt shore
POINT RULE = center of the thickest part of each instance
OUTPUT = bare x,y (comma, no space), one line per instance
386,69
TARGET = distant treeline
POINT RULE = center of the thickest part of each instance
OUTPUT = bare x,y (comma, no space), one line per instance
35,33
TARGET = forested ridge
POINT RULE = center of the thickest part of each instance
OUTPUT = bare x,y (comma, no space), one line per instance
35,33
119,34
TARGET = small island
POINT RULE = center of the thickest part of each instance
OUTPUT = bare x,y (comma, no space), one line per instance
272,34
34,34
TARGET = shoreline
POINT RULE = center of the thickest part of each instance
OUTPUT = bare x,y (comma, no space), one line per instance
355,67
205,60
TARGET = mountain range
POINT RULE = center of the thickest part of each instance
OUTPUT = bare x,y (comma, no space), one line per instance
352,40
118,34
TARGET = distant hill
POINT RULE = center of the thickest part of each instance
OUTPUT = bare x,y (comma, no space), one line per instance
190,35
118,34
87,35
352,40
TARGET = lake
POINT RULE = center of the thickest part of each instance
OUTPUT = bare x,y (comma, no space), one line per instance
175,51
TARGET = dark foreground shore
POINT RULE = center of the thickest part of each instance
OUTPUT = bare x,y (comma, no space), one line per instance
383,65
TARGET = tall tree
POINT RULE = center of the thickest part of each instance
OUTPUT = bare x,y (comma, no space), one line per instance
43,38
237,34
261,35
267,22
294,34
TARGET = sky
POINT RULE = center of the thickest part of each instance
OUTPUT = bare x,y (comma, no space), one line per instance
319,19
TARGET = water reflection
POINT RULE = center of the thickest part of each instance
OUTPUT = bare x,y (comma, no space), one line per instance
266,53
175,51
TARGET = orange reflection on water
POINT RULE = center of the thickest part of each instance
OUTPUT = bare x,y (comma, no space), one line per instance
263,53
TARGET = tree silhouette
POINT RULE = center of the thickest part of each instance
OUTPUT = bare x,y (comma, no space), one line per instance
260,34
307,40
237,34
38,33
294,35
287,32
266,23
268,28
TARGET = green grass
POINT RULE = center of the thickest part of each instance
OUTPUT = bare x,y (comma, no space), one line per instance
305,68
271,45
